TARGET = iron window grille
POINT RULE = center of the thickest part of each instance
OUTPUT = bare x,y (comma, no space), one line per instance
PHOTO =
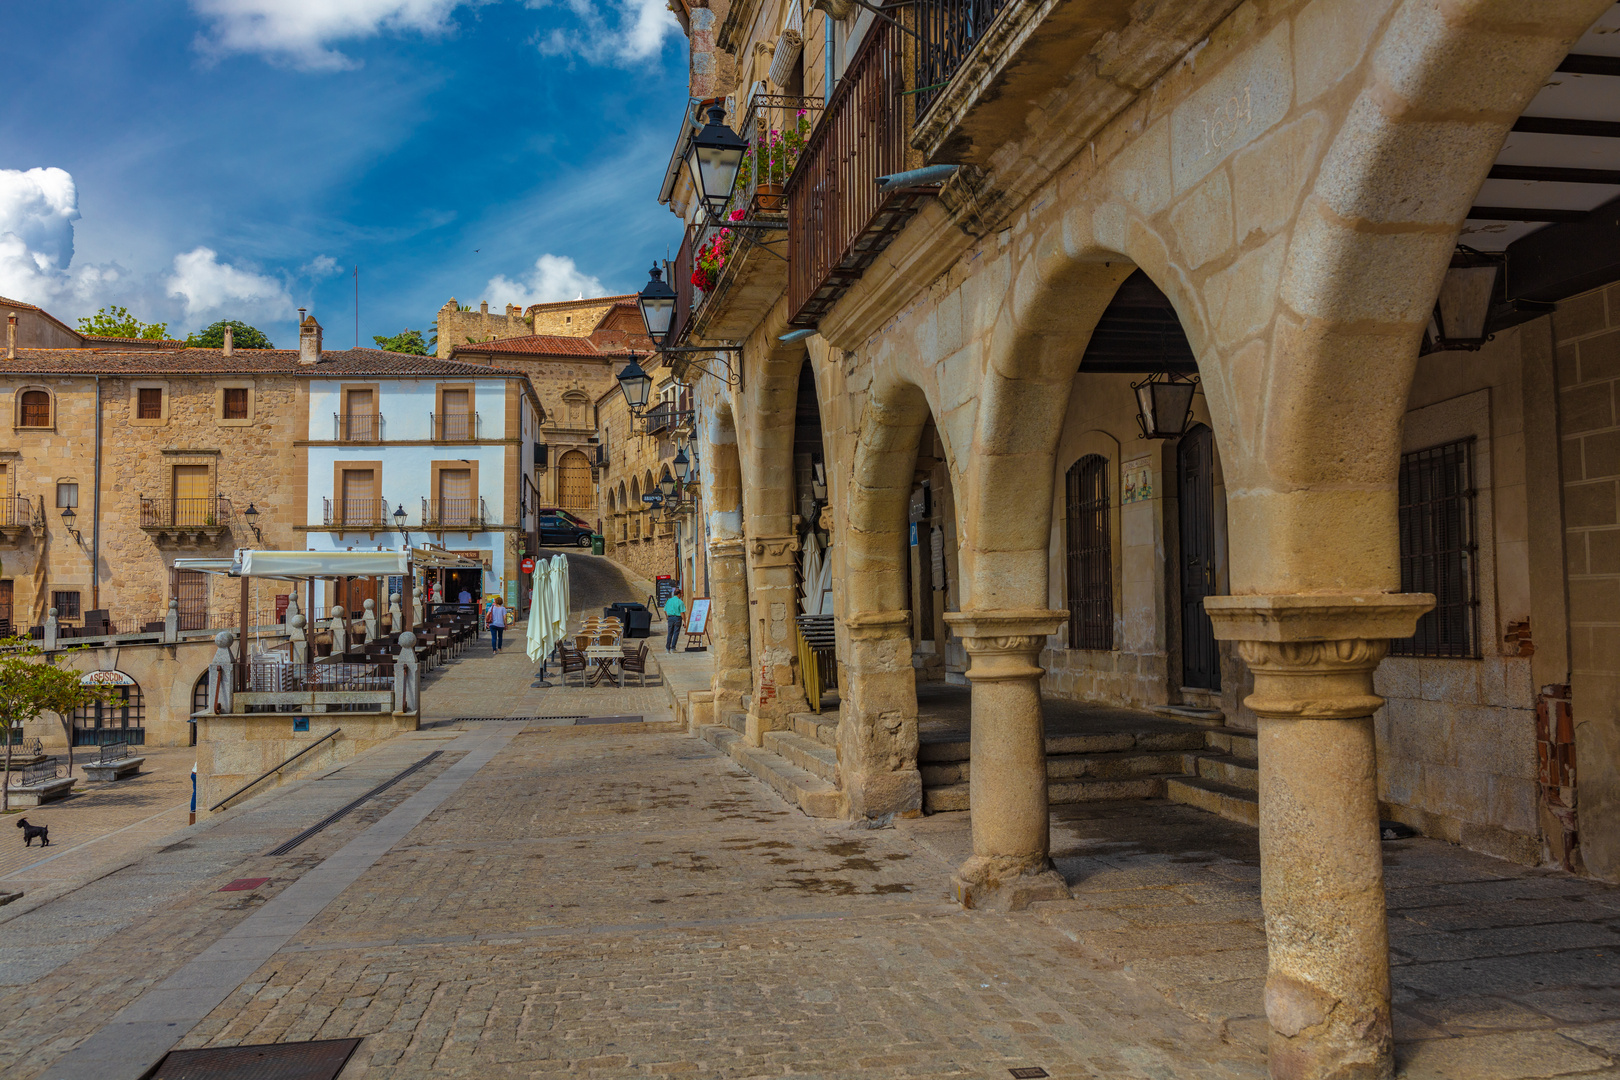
149,404
1439,551
1090,579
236,403
66,604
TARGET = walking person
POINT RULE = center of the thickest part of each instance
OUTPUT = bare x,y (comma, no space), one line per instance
496,620
673,610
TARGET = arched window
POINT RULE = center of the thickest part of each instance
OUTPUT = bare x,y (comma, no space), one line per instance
1090,563
574,482
121,718
35,409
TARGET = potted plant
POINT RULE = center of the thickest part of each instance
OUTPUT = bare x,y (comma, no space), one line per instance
710,259
770,161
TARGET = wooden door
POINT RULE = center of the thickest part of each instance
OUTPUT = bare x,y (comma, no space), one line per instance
359,495
1195,460
193,502
360,421
574,482
455,496
5,609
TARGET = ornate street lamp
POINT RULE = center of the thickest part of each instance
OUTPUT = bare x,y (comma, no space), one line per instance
1164,404
683,465
1462,311
657,302
666,485
714,160
636,384
251,514
68,518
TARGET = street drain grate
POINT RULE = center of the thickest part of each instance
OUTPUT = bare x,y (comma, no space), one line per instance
341,811
1029,1072
321,1060
607,720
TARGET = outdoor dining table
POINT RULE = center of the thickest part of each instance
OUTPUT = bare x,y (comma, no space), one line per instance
605,656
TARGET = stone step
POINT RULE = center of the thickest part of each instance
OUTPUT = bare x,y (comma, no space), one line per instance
1224,769
1230,802
806,753
1106,766
810,793
817,727
1058,792
932,752
1240,744
1192,714
736,721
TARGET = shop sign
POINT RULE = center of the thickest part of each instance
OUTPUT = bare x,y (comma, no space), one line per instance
105,678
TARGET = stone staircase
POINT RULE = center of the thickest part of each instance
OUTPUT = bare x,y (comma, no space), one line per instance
800,764
1211,768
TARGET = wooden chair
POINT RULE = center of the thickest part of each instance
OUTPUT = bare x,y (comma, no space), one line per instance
635,660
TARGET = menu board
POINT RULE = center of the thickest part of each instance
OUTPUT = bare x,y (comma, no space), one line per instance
698,623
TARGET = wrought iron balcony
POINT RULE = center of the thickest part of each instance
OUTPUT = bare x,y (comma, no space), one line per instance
458,515
454,427
839,221
947,33
18,515
369,514
357,427
186,519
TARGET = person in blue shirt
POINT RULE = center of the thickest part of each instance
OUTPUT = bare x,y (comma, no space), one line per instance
673,610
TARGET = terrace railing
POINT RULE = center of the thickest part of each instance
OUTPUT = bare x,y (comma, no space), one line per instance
204,513
454,427
364,513
455,514
947,33
357,427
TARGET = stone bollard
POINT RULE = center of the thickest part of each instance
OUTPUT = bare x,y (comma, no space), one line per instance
219,673
298,641
340,632
407,684
368,621
171,623
50,630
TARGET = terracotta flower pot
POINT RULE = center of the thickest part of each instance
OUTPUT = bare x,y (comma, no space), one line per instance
770,199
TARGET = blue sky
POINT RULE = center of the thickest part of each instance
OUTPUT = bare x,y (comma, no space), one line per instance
205,159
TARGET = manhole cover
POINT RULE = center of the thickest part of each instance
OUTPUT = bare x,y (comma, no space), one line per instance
244,884
267,1061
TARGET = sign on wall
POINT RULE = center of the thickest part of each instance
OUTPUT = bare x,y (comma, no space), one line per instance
105,678
1137,480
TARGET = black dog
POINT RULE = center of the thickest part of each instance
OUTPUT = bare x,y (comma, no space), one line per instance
31,831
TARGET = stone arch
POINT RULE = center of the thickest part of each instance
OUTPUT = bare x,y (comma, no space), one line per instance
721,469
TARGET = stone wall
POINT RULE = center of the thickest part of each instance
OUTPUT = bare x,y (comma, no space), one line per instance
570,318
462,327
247,462
633,538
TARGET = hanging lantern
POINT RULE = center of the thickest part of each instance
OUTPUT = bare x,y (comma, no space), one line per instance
1164,404
657,302
714,160
636,384
683,465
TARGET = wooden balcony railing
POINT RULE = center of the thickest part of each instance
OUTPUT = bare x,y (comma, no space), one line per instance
838,220
947,32
358,427
206,513
680,276
363,513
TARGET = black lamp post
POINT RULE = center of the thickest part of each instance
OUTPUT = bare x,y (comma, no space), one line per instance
657,302
1164,404
636,384
683,465
251,514
714,160
399,521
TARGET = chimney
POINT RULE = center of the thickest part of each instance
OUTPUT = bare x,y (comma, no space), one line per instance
228,342
11,335
309,339
483,307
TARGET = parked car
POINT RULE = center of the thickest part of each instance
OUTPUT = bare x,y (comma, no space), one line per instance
560,531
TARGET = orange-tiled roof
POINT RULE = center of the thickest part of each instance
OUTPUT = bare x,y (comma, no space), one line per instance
93,340
532,345
8,302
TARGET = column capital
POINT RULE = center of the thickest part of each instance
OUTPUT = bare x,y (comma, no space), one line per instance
1313,655
768,551
1005,644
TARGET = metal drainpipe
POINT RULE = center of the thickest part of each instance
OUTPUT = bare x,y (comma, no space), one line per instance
827,57
95,514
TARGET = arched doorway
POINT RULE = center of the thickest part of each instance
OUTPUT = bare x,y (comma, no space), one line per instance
119,718
574,488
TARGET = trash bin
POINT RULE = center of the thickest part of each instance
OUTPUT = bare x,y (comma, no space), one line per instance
596,544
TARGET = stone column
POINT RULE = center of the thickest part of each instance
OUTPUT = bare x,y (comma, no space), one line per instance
877,722
728,625
1321,863
1011,864
773,601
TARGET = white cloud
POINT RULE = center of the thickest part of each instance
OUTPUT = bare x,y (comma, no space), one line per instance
634,30
37,211
301,32
321,266
209,287
554,277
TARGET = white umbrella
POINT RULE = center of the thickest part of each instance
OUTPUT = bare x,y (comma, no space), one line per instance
539,630
559,600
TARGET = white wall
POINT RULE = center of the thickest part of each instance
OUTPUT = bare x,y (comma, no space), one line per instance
406,406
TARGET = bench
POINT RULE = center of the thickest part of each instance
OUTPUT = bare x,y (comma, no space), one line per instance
113,763
38,785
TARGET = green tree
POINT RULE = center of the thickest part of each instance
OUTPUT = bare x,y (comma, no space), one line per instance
406,341
118,322
31,686
243,336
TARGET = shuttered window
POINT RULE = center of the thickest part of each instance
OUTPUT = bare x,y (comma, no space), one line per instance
236,403
149,403
1090,578
1438,551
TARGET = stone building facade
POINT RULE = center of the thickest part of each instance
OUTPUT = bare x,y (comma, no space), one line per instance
637,454
1371,567
459,326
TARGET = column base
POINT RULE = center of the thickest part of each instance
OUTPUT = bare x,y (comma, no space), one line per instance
1006,883
1315,1036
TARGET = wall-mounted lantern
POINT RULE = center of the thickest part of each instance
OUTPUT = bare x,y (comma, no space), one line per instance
657,301
714,160
636,384
251,516
1164,404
